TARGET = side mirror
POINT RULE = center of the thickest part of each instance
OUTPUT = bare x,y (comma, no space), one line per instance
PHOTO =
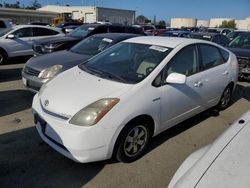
176,78
11,36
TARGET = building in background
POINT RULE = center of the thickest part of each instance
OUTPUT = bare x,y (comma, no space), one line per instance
183,22
243,24
90,14
216,22
202,23
24,16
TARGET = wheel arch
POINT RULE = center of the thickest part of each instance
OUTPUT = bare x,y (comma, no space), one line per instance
144,118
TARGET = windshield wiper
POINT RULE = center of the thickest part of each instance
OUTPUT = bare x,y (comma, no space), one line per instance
112,76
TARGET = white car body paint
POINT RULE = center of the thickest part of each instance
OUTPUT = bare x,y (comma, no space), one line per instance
74,89
224,163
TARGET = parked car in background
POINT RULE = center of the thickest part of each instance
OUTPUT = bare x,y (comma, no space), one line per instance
147,29
39,70
223,31
65,42
147,75
213,37
5,23
240,46
18,40
68,29
224,163
232,35
66,24
179,33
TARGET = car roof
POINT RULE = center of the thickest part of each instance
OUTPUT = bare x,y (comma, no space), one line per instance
170,42
115,35
30,25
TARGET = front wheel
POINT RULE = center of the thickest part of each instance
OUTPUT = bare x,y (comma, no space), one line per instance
225,98
133,142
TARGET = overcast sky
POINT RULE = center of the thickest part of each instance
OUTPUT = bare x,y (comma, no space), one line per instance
166,9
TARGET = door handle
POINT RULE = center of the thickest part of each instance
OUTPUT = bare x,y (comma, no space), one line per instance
225,73
198,84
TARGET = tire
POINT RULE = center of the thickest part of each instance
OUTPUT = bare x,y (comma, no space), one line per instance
3,57
225,99
133,142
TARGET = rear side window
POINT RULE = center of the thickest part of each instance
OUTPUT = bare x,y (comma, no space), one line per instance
116,29
100,29
37,31
224,54
210,57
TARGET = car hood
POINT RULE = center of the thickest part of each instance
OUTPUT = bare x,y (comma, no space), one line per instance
225,164
74,89
65,58
239,52
232,167
56,39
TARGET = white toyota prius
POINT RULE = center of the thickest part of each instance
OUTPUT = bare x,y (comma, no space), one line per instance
115,102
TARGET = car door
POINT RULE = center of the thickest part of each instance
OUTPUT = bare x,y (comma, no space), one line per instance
21,44
214,75
181,101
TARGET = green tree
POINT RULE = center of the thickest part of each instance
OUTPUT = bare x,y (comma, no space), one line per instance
141,19
228,24
34,5
162,23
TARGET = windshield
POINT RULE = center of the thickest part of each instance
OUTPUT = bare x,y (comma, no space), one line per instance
242,41
5,31
81,32
126,62
91,45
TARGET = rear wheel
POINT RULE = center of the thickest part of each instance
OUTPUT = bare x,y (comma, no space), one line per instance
225,98
133,142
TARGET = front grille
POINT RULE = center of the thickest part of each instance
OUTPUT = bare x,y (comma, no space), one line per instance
31,72
43,125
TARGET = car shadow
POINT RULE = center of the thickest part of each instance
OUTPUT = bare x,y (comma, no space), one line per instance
241,91
17,60
10,74
26,161
13,101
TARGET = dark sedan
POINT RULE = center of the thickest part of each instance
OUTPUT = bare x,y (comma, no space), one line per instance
178,33
241,47
40,69
65,42
213,37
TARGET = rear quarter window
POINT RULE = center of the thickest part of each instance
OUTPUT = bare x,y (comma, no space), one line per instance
210,56
224,54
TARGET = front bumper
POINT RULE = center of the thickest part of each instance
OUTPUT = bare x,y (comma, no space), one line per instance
32,83
81,144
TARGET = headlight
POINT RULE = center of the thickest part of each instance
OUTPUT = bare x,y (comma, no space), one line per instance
50,72
91,114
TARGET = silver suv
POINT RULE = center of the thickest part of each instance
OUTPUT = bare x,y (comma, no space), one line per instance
18,40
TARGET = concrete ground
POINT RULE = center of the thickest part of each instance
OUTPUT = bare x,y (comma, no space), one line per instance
26,161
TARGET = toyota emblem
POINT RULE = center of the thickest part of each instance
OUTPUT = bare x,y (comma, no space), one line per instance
46,103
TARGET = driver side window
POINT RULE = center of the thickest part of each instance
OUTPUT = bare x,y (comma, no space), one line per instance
184,62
